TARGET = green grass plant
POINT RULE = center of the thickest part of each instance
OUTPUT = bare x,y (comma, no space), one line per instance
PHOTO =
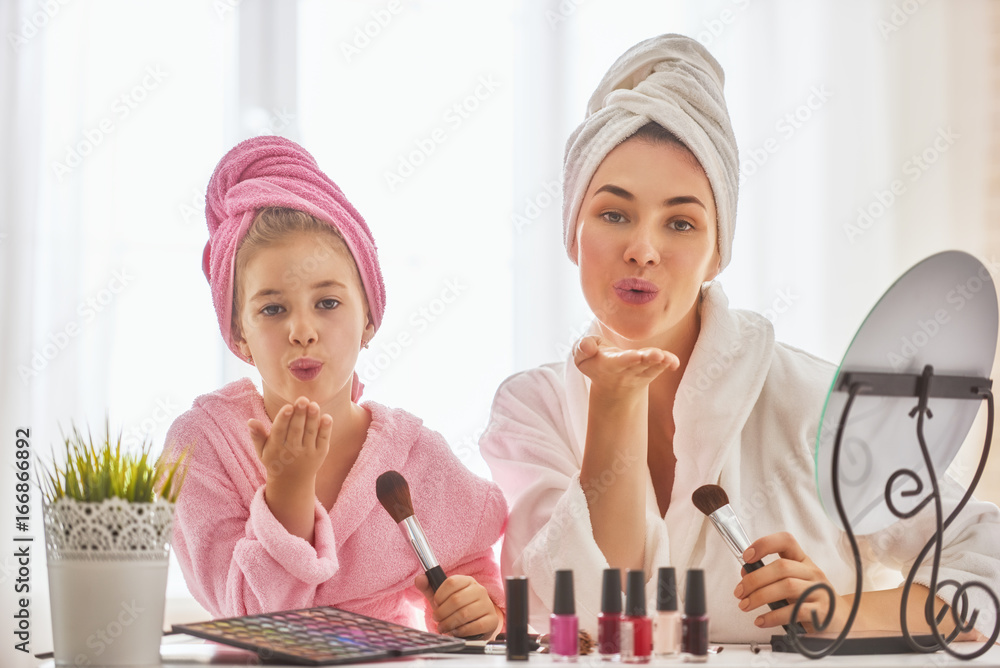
99,471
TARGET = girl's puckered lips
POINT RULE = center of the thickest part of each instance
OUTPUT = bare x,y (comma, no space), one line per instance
305,368
635,290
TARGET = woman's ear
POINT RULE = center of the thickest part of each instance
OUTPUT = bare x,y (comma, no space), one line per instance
714,268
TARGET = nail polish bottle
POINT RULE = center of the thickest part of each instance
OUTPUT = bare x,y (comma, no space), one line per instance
517,618
667,623
635,614
610,618
563,623
694,624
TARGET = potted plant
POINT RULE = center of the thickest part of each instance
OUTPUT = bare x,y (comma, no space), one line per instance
108,518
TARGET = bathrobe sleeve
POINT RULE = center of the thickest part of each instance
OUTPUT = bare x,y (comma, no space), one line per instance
236,557
529,448
970,551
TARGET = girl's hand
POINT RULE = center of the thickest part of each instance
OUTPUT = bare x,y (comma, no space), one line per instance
461,607
787,578
616,370
297,444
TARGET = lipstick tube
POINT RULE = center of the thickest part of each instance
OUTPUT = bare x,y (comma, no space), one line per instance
517,618
563,623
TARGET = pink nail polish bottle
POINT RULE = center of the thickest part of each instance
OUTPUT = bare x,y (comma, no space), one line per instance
667,623
563,623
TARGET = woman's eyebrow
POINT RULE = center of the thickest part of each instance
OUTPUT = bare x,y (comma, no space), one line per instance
615,190
684,199
618,191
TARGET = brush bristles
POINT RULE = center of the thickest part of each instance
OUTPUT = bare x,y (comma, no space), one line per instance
394,495
709,498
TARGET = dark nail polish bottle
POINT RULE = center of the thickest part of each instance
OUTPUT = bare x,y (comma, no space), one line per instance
694,624
635,616
610,619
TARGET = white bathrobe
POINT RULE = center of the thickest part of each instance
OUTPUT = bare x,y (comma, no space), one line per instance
746,415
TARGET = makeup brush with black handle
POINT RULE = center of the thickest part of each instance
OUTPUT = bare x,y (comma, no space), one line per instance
714,502
394,495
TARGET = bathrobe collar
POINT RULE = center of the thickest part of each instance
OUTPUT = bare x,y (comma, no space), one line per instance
716,395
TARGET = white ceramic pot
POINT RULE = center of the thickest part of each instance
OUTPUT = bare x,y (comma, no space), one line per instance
107,566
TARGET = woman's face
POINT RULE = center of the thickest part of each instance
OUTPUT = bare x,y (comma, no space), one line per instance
303,319
646,241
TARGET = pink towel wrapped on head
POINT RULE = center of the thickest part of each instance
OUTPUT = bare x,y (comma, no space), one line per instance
273,171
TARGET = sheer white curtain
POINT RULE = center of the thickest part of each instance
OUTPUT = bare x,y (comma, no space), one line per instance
444,122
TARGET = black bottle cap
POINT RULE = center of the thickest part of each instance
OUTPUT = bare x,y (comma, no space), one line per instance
611,592
517,618
635,594
694,593
666,589
563,604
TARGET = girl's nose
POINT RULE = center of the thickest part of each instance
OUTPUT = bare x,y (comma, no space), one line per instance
303,331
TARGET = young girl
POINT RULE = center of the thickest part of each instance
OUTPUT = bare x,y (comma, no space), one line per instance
279,509
672,390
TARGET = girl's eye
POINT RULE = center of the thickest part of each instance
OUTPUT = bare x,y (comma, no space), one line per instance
613,217
682,225
329,304
271,309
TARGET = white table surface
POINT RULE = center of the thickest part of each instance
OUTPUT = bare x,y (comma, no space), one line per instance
183,652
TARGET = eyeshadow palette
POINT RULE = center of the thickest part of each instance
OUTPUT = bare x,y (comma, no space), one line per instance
319,637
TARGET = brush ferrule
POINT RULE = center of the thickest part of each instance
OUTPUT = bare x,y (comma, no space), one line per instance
411,529
728,524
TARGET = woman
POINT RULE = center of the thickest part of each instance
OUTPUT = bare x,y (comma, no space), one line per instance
598,456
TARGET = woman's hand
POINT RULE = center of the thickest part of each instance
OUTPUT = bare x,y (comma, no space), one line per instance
461,607
786,579
616,370
297,443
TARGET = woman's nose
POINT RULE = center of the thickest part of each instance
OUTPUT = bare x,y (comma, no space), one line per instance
640,249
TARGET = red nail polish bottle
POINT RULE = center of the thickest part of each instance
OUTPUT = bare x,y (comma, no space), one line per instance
635,614
610,619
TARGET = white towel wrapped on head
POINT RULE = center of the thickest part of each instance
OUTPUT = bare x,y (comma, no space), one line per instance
671,80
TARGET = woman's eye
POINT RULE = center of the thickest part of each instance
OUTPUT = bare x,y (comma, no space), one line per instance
271,309
329,304
613,217
682,225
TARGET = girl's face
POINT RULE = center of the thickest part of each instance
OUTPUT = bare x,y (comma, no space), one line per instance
303,319
646,241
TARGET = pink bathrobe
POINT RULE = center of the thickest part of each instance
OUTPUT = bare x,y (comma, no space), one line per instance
238,559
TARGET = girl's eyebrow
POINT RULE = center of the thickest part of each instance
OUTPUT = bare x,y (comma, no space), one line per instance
624,194
273,292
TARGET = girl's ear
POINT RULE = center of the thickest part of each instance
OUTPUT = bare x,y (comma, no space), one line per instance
241,343
368,332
